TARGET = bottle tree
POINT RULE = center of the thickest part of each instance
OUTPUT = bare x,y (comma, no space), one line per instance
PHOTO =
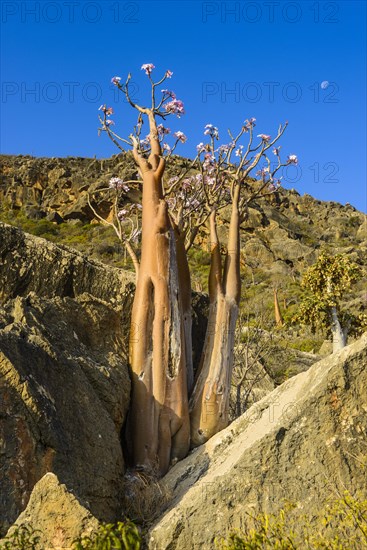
170,410
325,283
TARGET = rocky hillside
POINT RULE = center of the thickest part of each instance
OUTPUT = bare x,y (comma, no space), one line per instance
281,234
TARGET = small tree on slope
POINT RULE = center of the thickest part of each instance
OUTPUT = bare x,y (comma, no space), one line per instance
325,283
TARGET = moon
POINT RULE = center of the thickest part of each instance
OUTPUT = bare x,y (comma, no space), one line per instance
324,84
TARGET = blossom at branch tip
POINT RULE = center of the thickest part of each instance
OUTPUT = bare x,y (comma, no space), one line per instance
239,151
122,214
175,107
209,180
209,163
276,150
109,122
169,93
200,147
116,80
107,110
249,124
264,137
148,68
211,131
180,136
292,159
222,149
262,172
118,183
274,185
169,74
166,147
162,131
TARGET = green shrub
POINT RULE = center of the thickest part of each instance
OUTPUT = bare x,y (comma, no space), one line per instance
342,525
21,538
119,536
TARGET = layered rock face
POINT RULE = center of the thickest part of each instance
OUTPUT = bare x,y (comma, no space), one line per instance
303,442
64,383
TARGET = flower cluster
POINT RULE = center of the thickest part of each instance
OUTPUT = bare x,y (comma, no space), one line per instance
162,131
168,74
124,213
116,80
148,68
108,111
276,150
249,123
118,183
239,151
175,107
211,131
169,93
264,137
292,159
201,147
180,136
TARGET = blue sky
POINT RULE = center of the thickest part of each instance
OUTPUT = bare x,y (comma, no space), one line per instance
231,61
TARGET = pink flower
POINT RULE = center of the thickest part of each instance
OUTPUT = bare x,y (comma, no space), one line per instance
180,136
200,147
116,80
292,159
239,151
107,110
175,107
117,183
168,93
162,131
148,67
169,74
211,131
276,150
249,124
264,137
166,147
109,122
122,214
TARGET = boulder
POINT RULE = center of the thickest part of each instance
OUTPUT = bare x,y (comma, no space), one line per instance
301,443
57,515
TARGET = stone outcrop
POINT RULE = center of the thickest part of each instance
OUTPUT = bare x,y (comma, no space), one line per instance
301,443
64,383
57,515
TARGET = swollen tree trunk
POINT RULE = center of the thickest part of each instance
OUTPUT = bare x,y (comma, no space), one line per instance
185,287
339,336
209,404
158,424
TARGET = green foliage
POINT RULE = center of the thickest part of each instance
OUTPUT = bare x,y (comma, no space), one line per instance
22,538
331,276
342,525
324,283
121,536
